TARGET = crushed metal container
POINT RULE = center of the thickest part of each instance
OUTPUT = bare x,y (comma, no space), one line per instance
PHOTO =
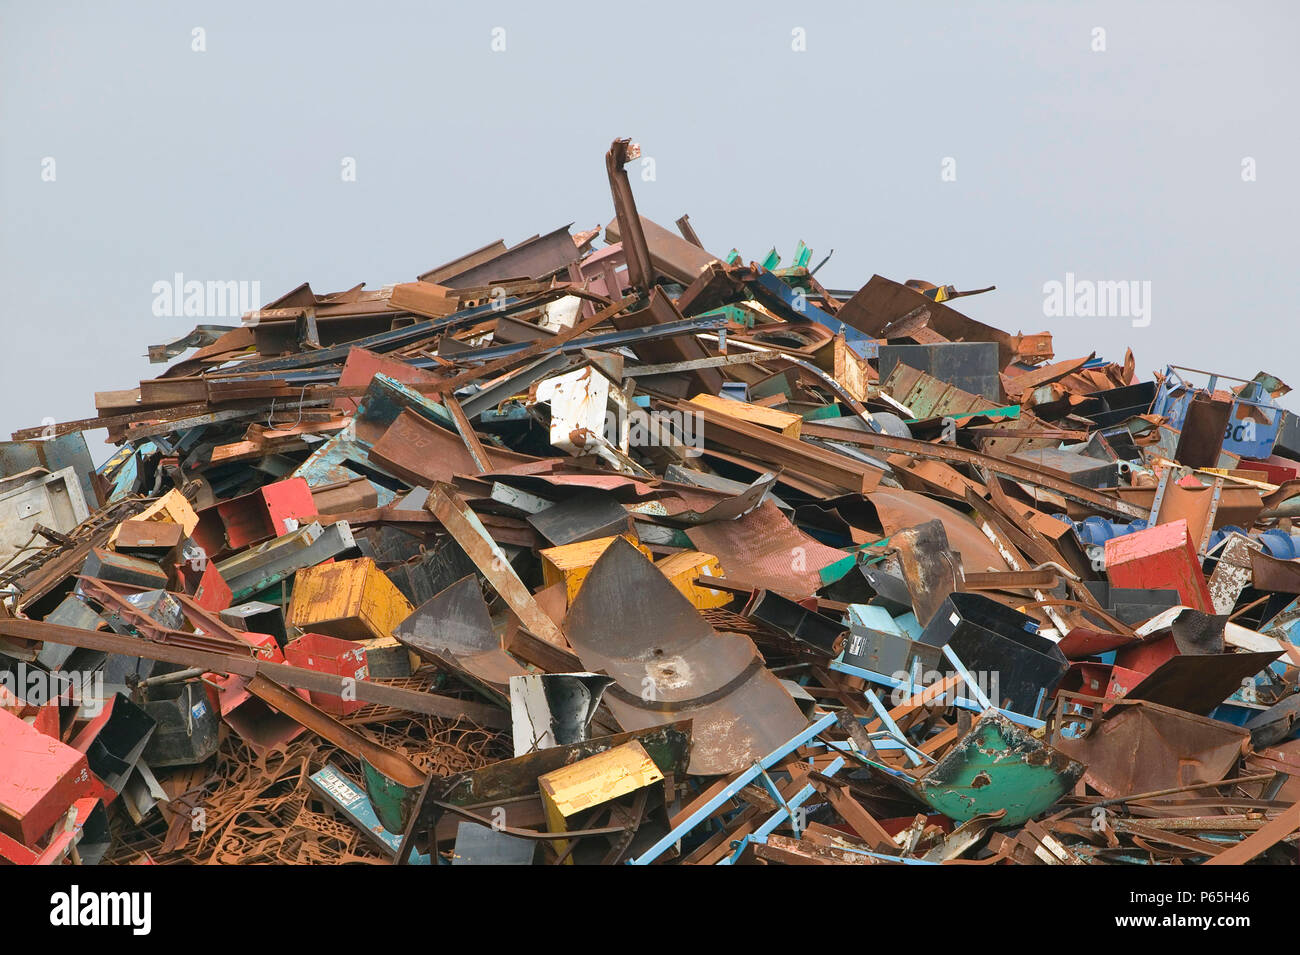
993,639
187,725
40,778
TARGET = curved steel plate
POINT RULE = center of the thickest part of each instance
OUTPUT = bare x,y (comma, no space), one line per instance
629,621
453,629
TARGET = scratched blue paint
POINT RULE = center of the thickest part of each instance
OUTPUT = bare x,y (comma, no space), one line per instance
1253,423
965,702
386,398
124,484
352,802
770,825
1285,625
330,464
743,779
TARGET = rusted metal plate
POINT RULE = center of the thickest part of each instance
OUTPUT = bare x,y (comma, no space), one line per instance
680,260
882,303
464,263
1141,747
148,536
930,567
1198,683
898,509
533,258
764,551
1273,573
1084,642
421,452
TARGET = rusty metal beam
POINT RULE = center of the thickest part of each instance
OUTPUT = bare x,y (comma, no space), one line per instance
400,698
766,445
1010,580
640,271
392,764
943,452
464,525
472,444
1279,828
485,371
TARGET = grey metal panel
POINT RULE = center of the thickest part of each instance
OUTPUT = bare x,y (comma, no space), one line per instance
970,366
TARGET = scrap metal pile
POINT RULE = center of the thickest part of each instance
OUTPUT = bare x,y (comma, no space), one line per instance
571,552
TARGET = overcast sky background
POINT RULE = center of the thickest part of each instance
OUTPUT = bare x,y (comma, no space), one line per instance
226,164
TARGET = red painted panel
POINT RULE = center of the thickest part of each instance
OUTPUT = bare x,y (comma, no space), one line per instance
362,365
271,511
40,778
325,654
212,593
1159,557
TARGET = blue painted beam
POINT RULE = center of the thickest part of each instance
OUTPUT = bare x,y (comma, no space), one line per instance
736,785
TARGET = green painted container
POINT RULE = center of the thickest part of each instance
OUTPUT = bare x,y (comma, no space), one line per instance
999,765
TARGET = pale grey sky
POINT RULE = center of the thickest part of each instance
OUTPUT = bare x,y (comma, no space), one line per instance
1122,164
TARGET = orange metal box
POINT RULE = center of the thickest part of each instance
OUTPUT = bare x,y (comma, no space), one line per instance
569,563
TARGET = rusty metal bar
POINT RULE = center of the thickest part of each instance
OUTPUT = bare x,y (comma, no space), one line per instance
472,444
400,698
464,525
923,449
392,764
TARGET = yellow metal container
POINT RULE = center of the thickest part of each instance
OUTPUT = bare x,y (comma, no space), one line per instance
569,563
593,781
684,567
349,599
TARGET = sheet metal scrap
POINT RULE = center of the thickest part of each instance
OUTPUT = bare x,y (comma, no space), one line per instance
867,581
454,630
676,665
